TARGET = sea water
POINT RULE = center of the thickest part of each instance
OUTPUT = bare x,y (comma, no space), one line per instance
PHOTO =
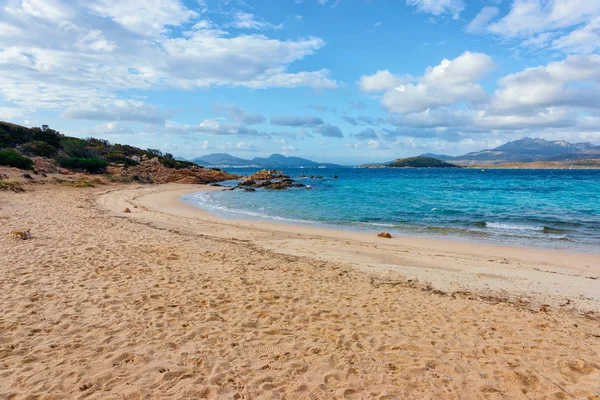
533,208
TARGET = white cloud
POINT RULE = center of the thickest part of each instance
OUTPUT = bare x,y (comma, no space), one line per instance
112,128
85,57
450,82
296,121
240,146
115,110
10,113
584,40
480,22
568,25
534,16
438,7
328,130
382,81
238,115
145,17
248,21
49,10
572,82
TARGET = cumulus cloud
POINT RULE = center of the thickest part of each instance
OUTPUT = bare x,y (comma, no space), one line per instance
116,110
329,131
534,16
236,114
381,81
57,53
572,23
584,40
112,128
450,82
240,146
572,82
438,7
296,121
145,17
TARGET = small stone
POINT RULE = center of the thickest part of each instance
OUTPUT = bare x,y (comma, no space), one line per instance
384,235
126,210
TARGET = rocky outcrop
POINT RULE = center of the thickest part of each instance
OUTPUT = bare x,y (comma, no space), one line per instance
267,175
152,171
247,182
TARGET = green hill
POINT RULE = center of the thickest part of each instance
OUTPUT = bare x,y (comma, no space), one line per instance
420,162
90,154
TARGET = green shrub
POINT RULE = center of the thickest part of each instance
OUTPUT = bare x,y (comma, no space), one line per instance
12,159
78,148
120,158
40,148
11,134
47,135
92,165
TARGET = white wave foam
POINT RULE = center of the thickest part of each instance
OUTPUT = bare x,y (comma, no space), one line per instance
513,227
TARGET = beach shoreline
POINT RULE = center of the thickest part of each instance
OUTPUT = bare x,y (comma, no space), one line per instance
169,301
495,271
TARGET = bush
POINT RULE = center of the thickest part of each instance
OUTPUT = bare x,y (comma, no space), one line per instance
11,134
120,158
12,159
47,135
40,148
78,148
92,165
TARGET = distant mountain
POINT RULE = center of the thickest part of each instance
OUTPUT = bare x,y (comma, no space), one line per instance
221,159
443,157
527,150
281,161
273,161
420,162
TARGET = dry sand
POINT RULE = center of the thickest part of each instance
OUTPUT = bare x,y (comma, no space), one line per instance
171,302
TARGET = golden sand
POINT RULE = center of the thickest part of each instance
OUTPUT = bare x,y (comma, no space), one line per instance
170,302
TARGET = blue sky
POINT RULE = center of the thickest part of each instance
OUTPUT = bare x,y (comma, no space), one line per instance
347,81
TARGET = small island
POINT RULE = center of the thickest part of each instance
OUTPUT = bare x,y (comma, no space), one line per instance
414,162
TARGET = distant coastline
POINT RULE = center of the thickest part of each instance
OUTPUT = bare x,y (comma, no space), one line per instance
580,164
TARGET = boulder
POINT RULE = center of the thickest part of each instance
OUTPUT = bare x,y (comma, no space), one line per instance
277,186
247,182
262,184
267,175
384,235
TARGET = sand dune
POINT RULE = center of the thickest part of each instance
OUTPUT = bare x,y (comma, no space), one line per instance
168,302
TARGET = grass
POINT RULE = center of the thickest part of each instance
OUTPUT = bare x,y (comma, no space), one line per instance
81,183
11,184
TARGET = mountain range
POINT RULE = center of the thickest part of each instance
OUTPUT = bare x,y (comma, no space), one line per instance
273,161
526,150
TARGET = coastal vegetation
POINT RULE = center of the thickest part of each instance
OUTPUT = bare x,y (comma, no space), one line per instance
420,162
45,150
91,154
11,158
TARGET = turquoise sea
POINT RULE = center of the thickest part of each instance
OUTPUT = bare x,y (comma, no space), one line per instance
532,208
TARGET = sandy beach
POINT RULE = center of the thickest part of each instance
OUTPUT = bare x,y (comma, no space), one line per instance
169,301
